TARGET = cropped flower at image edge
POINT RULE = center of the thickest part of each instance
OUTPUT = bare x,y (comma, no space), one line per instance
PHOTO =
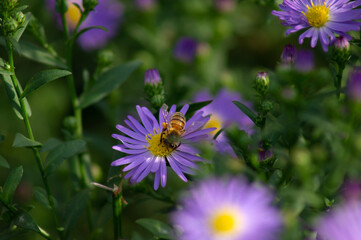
323,18
148,154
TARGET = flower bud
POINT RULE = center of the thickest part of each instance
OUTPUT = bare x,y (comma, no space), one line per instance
70,124
342,43
154,88
267,106
10,25
353,89
20,18
262,83
89,5
105,58
288,54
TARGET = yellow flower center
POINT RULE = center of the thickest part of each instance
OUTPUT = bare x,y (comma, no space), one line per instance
73,15
156,147
223,223
214,122
317,16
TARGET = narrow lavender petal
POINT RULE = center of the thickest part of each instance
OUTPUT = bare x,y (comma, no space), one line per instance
134,146
187,148
182,161
198,133
187,170
128,140
184,109
161,119
175,168
156,164
138,160
124,160
198,138
129,151
151,117
130,133
163,173
156,180
144,169
195,117
129,174
138,125
145,120
196,124
144,173
131,126
189,156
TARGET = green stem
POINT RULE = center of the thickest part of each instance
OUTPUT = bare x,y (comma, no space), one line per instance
30,133
117,212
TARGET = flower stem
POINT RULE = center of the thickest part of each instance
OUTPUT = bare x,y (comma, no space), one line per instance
30,133
117,211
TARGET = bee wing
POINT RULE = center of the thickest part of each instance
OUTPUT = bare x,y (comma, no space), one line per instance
194,126
164,111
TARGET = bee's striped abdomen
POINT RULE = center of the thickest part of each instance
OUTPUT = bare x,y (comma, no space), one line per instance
178,121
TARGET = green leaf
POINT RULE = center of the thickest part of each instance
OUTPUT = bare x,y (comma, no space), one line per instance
41,196
3,162
50,144
157,228
107,82
246,110
195,107
42,78
5,72
38,54
87,29
21,30
11,92
61,152
22,141
24,220
74,210
2,137
12,183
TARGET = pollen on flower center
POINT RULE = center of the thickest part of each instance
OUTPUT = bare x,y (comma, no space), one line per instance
214,122
156,147
317,16
73,15
224,222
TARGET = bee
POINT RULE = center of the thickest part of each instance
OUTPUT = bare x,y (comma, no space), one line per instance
172,131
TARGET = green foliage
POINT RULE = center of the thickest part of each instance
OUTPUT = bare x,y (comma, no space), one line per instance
3,162
11,184
157,228
22,141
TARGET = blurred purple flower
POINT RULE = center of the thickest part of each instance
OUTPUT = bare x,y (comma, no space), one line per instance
305,60
146,153
107,13
342,223
185,49
351,190
354,85
224,5
322,19
224,113
288,54
228,210
264,154
145,5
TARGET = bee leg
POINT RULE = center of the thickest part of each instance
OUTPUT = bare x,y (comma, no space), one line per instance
177,146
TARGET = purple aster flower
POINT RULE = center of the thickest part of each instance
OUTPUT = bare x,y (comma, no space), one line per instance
351,190
354,85
228,210
185,49
305,60
224,5
145,5
322,19
288,54
342,223
223,113
342,43
147,153
107,13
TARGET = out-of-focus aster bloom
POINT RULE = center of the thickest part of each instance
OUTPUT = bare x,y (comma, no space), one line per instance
223,113
145,5
228,210
351,190
185,49
305,60
224,5
354,85
288,54
146,153
107,13
322,19
342,223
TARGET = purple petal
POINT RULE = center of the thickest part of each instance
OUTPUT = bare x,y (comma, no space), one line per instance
130,133
175,168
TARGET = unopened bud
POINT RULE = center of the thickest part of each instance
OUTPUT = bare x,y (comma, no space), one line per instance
288,54
267,106
20,18
70,123
262,83
105,58
152,77
89,5
154,88
10,25
342,43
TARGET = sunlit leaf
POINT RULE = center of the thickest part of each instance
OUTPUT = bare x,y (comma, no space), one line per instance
107,82
42,78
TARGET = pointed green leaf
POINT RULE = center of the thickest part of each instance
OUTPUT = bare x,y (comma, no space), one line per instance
22,141
107,82
3,162
38,54
74,210
50,144
246,110
157,228
12,183
42,78
24,220
61,152
41,196
21,30
11,92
